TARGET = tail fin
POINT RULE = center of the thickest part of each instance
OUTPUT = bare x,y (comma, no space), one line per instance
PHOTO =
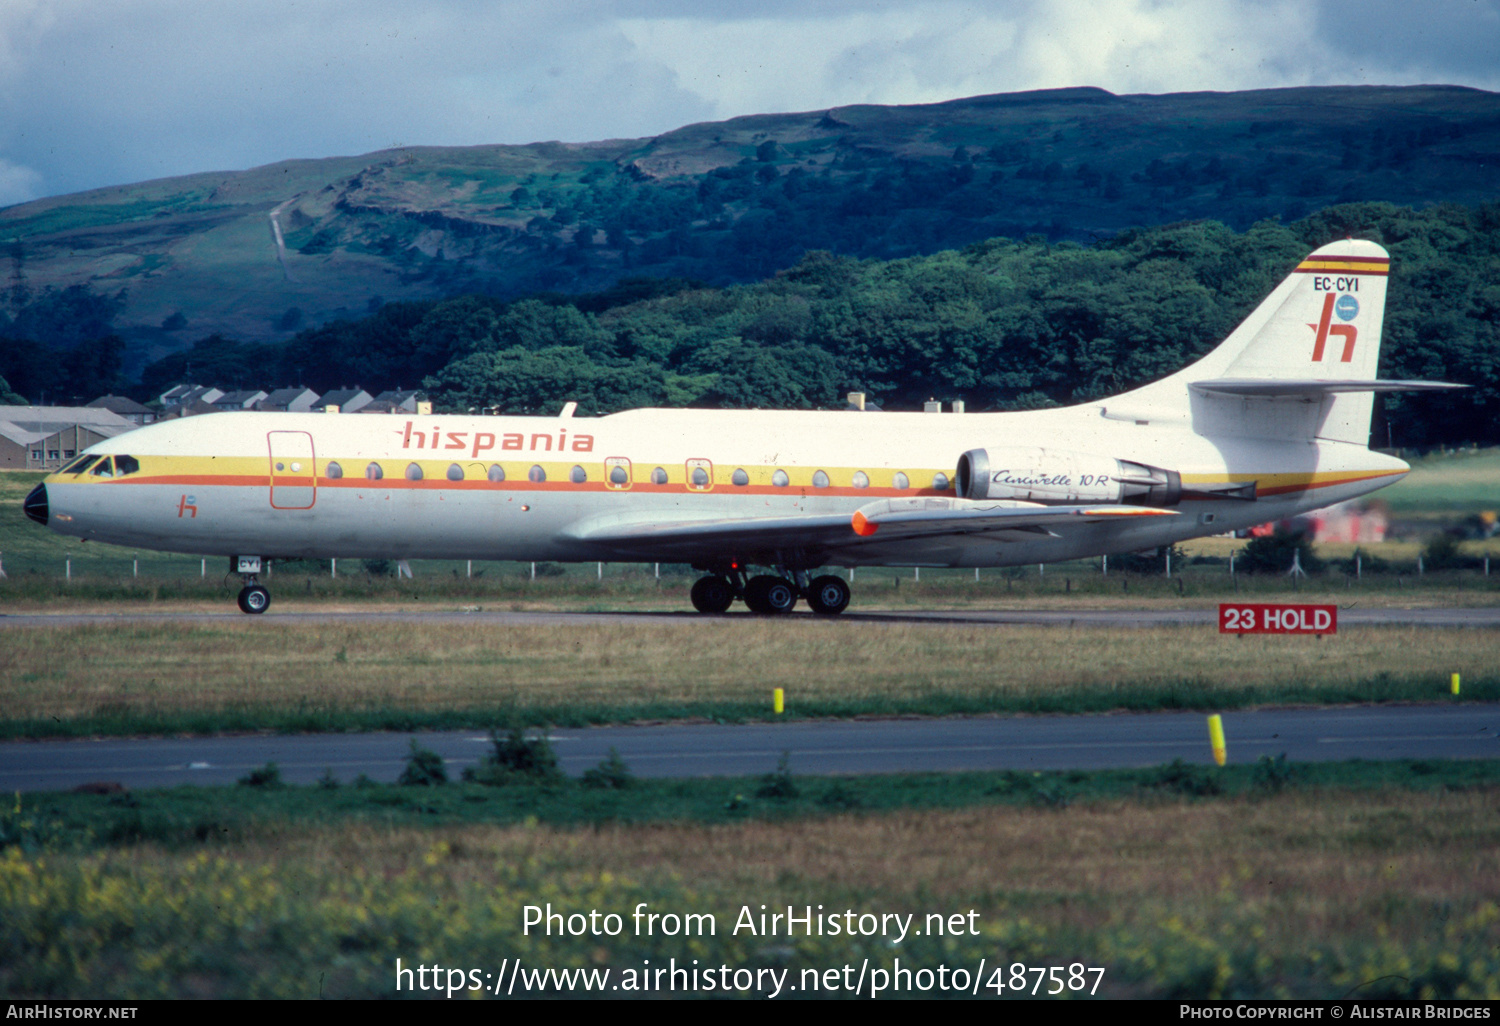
1303,364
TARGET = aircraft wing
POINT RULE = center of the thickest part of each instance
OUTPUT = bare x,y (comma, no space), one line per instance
885,520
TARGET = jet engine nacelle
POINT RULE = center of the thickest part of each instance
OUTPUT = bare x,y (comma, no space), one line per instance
1060,476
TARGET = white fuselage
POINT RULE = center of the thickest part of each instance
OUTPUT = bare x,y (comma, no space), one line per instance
305,485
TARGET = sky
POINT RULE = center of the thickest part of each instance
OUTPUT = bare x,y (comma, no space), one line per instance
108,92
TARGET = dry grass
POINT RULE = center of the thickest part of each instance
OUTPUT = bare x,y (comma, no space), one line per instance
155,669
1302,868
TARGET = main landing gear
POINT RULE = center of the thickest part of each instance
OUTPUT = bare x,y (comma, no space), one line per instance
253,597
770,594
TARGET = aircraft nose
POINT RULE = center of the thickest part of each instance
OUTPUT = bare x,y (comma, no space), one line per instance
36,504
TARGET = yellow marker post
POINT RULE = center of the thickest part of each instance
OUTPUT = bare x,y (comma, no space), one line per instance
778,701
1455,684
1216,738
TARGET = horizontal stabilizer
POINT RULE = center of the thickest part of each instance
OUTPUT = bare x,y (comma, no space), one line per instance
1273,387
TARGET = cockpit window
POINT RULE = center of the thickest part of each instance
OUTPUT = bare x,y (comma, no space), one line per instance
104,469
126,465
78,466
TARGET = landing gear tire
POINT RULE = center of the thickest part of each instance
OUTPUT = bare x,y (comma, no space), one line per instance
769,595
254,599
712,594
828,595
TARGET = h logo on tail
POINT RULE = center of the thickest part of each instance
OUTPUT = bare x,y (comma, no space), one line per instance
1347,307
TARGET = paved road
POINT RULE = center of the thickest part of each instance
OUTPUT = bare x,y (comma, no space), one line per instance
1348,617
1459,731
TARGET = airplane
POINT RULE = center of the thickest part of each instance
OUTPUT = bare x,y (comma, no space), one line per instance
1273,422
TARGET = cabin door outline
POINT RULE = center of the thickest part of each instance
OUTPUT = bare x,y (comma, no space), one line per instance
294,471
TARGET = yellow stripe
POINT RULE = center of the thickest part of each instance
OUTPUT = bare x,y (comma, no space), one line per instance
1360,267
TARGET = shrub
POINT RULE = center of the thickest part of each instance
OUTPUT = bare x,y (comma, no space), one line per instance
611,774
1362,562
515,757
1148,562
268,775
779,785
1272,774
424,768
1442,553
1185,779
1275,553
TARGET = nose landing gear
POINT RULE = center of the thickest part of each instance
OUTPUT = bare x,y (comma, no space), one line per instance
253,597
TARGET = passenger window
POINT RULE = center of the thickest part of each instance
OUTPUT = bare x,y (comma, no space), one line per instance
780,480
373,472
578,475
820,480
861,479
497,473
658,476
537,474
940,481
900,481
617,472
126,465
104,469
333,471
413,472
740,477
700,475
455,472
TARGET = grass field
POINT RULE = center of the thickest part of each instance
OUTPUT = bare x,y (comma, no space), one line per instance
1467,480
1328,881
248,674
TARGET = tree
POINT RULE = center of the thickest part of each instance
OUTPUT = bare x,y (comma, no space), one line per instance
9,398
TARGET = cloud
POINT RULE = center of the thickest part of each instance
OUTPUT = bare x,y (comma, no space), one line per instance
18,184
94,94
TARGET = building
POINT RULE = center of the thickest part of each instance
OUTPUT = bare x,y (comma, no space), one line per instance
128,408
46,437
399,401
348,400
242,400
184,395
289,400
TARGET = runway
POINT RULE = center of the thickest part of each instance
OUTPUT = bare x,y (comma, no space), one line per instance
1457,731
1350,616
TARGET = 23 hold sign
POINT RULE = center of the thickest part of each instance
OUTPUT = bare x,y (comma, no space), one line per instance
1277,618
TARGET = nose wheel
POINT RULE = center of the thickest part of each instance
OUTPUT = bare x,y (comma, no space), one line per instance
254,598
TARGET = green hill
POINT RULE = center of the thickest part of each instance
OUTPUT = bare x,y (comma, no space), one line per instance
730,201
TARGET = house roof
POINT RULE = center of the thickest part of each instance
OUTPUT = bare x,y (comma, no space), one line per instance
239,398
118,404
398,397
282,396
48,419
19,435
342,397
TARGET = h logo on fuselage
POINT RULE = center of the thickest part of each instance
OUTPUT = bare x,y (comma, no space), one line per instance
1346,307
